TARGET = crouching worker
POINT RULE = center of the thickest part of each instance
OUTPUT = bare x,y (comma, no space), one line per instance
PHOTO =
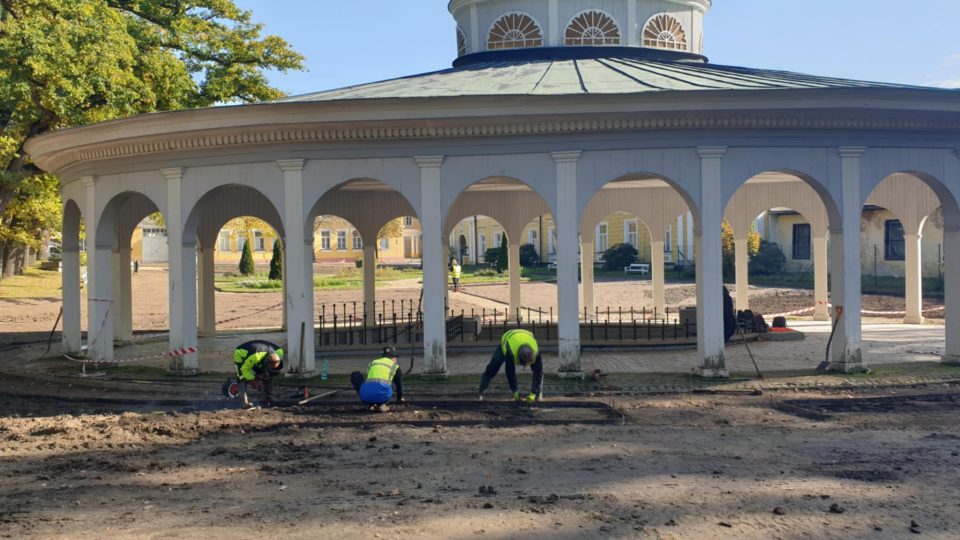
517,348
383,374
257,360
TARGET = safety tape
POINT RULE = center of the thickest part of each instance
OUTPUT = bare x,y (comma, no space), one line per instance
264,310
177,353
862,311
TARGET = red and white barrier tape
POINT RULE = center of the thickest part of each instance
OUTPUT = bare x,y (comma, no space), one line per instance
862,311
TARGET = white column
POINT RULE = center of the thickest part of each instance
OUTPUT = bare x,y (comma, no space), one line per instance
690,237
309,313
434,266
554,32
742,261
677,246
513,268
71,298
182,255
207,292
847,356
567,244
633,32
820,278
299,294
99,286
586,276
914,283
123,296
951,276
370,281
656,276
709,265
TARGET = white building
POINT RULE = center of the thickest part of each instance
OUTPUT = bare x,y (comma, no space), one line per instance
577,108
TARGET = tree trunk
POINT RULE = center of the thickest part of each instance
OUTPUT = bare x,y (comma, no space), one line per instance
43,253
8,257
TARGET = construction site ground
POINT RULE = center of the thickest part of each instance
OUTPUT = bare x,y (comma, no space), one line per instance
649,450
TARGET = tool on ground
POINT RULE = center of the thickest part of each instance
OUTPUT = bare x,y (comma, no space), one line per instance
50,338
825,365
318,396
743,339
416,328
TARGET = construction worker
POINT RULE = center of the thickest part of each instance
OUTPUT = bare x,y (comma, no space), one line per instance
517,348
457,272
383,374
257,360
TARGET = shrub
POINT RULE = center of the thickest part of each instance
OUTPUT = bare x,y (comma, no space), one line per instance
276,262
358,262
246,260
529,256
769,260
491,256
504,257
618,257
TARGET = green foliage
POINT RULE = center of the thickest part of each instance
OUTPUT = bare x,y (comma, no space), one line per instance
529,256
769,260
247,267
491,256
503,258
276,262
728,244
619,256
71,62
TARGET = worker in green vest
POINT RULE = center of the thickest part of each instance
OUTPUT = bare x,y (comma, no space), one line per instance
383,374
257,359
456,272
517,348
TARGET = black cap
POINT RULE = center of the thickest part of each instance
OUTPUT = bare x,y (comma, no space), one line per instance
390,351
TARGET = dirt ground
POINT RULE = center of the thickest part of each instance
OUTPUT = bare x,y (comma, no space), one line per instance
262,310
844,464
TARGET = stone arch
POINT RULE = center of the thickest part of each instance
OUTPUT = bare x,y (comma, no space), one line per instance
367,203
70,261
741,177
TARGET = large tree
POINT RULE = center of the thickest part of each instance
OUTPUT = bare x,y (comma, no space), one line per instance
71,62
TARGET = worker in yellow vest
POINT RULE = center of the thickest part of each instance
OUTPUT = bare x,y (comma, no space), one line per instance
457,272
517,348
383,374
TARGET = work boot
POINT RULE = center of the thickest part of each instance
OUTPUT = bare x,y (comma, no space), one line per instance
383,407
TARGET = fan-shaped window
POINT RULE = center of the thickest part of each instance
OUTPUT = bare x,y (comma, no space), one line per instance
461,43
514,31
664,32
592,28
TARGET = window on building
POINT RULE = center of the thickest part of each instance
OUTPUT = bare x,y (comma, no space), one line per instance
223,241
514,31
664,32
601,238
497,239
341,240
357,241
630,233
801,241
408,221
483,244
154,232
552,241
384,243
325,240
668,244
258,243
461,42
592,28
893,245
532,238
241,241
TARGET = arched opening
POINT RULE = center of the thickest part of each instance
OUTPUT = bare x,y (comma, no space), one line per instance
73,261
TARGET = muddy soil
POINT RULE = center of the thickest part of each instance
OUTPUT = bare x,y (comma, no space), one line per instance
784,465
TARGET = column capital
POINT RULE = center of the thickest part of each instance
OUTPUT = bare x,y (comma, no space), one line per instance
291,165
175,173
567,156
88,181
429,162
852,151
711,152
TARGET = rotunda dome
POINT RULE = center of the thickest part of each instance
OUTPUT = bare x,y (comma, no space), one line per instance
542,28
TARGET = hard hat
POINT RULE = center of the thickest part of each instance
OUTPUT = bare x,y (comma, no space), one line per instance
390,351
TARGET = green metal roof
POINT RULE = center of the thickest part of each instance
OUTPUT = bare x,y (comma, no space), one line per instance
614,75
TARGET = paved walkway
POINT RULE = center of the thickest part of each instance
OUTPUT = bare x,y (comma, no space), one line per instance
883,343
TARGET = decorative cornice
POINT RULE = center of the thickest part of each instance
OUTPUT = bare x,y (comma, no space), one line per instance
711,152
291,165
568,156
429,162
852,151
424,130
175,173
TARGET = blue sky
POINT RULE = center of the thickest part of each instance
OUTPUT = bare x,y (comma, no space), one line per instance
356,41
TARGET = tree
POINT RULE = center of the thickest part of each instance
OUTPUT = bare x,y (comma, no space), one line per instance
619,256
529,256
276,262
71,62
247,267
728,244
503,257
769,260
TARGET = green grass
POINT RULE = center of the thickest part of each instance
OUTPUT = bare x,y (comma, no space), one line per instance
343,279
34,283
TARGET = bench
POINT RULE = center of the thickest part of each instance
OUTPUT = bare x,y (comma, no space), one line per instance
641,268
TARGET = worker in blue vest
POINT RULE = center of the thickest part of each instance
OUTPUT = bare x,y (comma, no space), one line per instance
517,348
257,360
383,374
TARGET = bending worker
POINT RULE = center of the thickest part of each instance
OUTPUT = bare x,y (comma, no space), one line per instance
383,374
258,360
517,348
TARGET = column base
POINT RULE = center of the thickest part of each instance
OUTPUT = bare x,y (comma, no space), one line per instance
821,317
913,320
299,376
950,360
847,368
442,376
713,373
569,350
182,372
572,375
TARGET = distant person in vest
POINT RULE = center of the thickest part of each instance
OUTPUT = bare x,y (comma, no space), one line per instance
457,273
258,360
383,374
517,348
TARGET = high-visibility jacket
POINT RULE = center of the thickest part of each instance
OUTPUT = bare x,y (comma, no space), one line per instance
511,342
382,370
456,271
249,356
